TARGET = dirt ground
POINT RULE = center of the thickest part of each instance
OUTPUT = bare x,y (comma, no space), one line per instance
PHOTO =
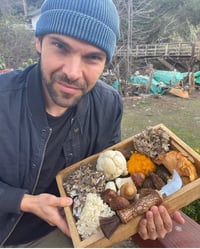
180,115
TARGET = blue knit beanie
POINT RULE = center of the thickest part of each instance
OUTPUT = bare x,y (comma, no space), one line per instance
93,21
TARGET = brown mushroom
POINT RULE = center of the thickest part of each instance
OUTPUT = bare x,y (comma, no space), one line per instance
118,202
128,191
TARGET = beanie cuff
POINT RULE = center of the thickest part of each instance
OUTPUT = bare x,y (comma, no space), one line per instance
78,26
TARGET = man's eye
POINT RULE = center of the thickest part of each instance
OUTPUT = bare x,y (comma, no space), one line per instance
59,45
95,57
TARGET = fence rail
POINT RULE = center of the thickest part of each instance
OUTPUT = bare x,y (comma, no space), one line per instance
161,50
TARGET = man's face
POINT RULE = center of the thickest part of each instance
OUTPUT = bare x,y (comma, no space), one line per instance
70,69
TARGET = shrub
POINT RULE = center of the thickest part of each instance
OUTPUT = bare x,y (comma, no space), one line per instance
193,210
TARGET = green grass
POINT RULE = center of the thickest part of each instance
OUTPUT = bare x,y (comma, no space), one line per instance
192,210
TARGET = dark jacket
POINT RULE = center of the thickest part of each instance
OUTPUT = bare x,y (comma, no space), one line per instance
24,133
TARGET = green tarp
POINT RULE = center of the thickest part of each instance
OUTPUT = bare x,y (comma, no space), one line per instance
160,81
197,77
156,87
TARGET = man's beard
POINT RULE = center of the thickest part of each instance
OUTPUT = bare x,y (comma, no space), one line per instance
65,100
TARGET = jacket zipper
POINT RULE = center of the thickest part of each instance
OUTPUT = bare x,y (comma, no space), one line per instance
43,154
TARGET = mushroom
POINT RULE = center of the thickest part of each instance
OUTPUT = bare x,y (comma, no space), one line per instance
112,163
128,191
152,142
120,181
111,185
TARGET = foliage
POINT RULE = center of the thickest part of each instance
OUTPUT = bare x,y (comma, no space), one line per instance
193,210
13,7
153,21
144,21
158,20
2,63
16,40
34,3
30,61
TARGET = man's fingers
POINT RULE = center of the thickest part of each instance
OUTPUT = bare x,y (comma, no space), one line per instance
142,229
151,225
167,222
65,201
156,225
176,216
59,201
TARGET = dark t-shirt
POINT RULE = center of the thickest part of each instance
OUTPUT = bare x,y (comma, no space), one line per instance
30,226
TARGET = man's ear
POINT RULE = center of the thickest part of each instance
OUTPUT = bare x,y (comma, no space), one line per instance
38,44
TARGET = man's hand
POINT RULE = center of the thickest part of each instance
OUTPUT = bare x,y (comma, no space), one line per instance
157,223
49,208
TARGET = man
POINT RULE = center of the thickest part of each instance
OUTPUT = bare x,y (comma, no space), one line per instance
54,114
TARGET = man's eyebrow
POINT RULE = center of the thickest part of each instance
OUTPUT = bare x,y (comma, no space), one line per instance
57,39
97,53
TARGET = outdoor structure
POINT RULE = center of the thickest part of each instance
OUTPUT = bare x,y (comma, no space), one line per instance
183,49
34,16
181,56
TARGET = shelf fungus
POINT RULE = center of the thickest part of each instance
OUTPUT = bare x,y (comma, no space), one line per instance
81,182
152,142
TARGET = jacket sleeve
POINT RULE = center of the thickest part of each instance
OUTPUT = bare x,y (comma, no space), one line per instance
10,198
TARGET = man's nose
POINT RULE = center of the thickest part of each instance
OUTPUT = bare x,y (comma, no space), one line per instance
73,68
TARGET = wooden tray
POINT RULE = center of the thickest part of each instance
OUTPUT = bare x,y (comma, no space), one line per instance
181,198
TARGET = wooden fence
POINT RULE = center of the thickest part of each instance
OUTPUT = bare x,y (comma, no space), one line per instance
161,50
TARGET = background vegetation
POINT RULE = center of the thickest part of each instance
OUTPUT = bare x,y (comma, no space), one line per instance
144,21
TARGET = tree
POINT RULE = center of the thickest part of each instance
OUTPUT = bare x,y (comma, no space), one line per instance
11,6
24,3
16,41
154,21
34,4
